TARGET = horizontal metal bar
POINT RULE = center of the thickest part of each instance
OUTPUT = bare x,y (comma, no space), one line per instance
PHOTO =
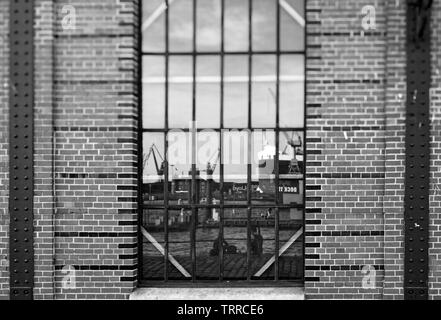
218,53
226,206
225,129
216,80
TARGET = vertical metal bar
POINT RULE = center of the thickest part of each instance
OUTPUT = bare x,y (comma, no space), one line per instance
305,94
276,167
166,164
194,185
140,147
221,141
21,148
249,183
417,140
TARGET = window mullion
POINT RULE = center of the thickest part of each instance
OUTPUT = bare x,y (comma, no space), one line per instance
166,164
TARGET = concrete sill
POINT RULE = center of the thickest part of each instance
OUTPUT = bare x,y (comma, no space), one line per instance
253,293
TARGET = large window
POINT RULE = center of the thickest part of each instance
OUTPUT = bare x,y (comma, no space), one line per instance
223,140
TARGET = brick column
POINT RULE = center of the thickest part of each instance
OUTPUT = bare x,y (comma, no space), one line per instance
345,150
395,150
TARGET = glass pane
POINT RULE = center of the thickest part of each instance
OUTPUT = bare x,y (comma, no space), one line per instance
153,168
207,165
263,165
290,244
236,25
180,160
153,244
179,265
262,243
235,244
236,91
207,245
208,92
264,91
181,25
180,91
292,36
235,160
291,159
208,25
264,24
153,26
153,99
292,91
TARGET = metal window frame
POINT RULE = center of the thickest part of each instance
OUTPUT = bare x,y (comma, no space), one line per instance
194,206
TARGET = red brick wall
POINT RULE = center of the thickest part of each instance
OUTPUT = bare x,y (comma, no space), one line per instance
86,106
345,149
96,149
395,129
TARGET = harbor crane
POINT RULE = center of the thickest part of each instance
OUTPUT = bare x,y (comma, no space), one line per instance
212,167
153,151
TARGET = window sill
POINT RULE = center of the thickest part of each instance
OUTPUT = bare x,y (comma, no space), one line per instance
231,293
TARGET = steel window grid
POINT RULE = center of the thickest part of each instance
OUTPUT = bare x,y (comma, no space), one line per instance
194,206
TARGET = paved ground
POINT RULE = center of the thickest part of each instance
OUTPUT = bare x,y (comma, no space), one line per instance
230,294
207,267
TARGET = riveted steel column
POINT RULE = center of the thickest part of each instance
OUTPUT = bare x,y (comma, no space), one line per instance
21,100
416,214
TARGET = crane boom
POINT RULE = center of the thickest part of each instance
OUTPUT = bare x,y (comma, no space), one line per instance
159,169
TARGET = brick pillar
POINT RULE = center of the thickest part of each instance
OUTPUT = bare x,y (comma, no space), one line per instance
345,150
395,151
44,213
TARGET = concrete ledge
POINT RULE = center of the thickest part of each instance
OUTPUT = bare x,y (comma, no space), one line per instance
251,293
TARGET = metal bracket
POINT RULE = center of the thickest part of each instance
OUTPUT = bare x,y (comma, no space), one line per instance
417,140
21,169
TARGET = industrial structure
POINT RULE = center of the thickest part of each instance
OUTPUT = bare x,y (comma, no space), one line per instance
219,144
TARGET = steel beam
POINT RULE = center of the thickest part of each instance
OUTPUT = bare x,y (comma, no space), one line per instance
417,140
21,170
